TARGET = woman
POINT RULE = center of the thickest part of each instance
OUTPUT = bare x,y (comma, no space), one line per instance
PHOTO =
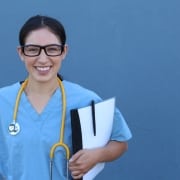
37,117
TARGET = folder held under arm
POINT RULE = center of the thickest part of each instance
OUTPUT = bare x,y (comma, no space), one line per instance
91,132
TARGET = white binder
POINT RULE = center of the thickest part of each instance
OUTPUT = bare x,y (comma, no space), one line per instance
89,132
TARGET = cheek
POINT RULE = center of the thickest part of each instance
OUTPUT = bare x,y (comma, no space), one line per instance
58,62
58,65
28,64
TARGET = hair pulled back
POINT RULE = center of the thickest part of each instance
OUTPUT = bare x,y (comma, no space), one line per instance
38,22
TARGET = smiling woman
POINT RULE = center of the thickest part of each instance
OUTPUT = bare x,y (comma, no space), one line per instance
43,103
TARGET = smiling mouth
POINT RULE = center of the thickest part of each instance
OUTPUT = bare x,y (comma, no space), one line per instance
43,69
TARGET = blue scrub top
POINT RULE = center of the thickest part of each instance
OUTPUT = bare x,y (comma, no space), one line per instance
26,155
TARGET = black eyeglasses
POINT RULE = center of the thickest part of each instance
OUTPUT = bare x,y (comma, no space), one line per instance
32,50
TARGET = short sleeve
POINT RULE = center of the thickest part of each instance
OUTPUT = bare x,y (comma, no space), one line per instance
3,154
120,130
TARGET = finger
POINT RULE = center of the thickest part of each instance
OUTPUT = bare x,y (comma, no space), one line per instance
78,176
75,156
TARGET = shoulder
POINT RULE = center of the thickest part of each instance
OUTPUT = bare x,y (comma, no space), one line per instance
74,88
79,94
9,93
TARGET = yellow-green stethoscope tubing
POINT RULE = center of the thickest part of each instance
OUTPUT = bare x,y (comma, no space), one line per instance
61,138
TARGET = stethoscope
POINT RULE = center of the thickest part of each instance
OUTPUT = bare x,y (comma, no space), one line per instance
14,127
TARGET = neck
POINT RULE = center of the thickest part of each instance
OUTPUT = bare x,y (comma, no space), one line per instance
41,88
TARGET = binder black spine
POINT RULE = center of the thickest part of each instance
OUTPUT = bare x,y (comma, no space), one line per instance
76,132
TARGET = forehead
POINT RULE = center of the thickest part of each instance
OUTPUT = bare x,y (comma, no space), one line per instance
42,36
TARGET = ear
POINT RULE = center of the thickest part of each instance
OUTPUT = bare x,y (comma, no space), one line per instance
65,51
19,51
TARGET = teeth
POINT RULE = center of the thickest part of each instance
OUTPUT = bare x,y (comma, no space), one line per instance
43,68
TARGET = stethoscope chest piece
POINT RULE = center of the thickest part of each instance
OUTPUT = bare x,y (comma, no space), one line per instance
14,128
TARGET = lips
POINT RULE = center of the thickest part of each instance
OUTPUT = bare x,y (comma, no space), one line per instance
43,69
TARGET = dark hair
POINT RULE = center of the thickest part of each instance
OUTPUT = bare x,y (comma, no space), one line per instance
38,22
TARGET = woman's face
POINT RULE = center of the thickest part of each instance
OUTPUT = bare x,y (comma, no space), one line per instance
42,68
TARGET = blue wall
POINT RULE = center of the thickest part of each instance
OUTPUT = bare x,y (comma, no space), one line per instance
128,49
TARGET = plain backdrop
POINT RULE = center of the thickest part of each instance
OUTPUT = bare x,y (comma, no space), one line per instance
123,48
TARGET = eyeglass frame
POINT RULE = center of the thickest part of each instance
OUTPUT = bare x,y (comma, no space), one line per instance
44,48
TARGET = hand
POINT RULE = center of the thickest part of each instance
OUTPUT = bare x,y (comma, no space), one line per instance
81,162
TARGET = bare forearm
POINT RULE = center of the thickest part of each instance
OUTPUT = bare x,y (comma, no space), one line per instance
111,151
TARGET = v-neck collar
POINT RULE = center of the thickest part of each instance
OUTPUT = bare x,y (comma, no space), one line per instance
51,104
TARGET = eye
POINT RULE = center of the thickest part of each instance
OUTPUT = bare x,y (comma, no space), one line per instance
53,49
31,49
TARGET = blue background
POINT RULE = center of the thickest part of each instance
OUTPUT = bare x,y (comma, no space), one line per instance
123,48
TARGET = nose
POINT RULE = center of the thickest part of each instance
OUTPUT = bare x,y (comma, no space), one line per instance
42,56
